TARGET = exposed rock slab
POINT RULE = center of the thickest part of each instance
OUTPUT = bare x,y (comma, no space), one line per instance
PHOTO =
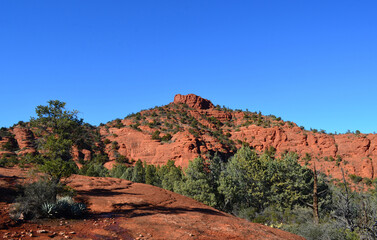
125,210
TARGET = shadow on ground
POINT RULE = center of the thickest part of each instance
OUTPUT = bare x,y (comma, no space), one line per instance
144,209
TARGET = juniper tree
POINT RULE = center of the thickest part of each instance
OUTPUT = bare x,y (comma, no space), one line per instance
59,129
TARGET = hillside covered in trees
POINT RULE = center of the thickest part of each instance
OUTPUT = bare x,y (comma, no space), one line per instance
256,167
191,126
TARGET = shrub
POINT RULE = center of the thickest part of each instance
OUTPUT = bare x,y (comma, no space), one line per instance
64,207
100,158
367,181
11,145
115,145
156,135
39,200
356,179
118,170
338,160
4,132
34,195
122,159
136,126
166,137
118,123
94,169
193,132
8,161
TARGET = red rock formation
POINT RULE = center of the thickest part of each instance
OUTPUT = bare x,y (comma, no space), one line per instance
193,101
358,152
24,139
138,145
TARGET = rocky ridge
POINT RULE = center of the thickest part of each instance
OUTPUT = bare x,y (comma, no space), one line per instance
192,126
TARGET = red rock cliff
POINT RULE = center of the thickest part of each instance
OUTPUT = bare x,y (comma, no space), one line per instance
203,129
193,101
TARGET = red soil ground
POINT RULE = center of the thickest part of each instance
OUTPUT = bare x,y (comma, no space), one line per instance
121,209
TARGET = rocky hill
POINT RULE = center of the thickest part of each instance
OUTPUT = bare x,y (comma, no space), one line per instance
191,126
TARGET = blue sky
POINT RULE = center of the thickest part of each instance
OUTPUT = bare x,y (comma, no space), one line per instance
310,62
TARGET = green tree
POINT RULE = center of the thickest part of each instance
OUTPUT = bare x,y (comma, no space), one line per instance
94,169
243,181
169,174
253,183
138,172
57,158
196,183
118,170
151,176
290,183
60,130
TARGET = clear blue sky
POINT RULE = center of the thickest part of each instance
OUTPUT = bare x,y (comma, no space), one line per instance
311,62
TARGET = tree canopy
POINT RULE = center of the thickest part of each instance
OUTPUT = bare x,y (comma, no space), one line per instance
59,130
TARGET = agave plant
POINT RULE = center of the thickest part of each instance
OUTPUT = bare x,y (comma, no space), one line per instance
49,209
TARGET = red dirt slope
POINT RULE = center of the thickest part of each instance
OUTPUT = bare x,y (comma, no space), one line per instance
125,210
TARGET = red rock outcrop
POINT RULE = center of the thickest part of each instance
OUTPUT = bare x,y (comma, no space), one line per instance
193,101
24,139
137,145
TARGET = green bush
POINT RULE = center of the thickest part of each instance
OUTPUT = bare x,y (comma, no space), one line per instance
64,207
11,145
122,159
115,145
328,230
367,181
356,179
39,200
118,123
34,195
156,135
136,126
118,170
8,161
94,169
338,160
166,137
4,132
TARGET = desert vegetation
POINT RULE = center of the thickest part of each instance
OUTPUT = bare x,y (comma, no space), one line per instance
59,130
263,188
283,191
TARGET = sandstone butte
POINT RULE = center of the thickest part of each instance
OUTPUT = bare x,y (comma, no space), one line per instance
121,209
216,130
